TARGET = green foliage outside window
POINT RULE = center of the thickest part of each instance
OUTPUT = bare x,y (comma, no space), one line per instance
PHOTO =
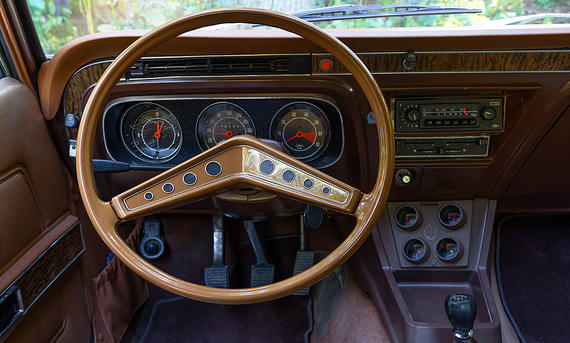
59,21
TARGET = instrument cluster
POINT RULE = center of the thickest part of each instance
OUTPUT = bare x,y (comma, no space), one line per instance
159,132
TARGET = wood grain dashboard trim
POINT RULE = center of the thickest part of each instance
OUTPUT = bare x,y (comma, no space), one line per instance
455,62
47,268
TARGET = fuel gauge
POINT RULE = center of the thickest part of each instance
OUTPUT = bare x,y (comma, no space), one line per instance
451,216
408,217
415,250
448,250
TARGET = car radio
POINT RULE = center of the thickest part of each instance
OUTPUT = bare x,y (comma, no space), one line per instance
461,114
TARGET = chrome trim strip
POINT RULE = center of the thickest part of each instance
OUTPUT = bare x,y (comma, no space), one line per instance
13,289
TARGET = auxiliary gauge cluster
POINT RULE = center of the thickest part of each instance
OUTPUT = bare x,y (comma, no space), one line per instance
431,235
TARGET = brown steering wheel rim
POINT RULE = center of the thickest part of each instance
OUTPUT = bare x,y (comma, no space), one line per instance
105,219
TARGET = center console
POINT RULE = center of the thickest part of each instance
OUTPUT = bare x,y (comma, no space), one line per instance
428,250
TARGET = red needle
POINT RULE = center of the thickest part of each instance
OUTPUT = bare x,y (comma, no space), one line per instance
447,247
299,134
158,129
416,248
227,133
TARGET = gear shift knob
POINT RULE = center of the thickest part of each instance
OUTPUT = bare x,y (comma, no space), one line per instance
461,311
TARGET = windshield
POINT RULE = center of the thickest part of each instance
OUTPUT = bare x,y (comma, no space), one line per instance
60,21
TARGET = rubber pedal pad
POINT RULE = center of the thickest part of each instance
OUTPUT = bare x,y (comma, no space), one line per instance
304,260
262,274
217,275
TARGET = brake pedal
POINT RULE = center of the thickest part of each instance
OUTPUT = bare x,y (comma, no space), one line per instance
218,274
262,273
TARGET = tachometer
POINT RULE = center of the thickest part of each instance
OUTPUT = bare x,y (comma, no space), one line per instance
151,132
303,128
221,121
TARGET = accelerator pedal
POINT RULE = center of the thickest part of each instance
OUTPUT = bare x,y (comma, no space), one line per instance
305,259
262,273
218,274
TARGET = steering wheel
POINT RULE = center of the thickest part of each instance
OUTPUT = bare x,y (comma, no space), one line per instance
238,160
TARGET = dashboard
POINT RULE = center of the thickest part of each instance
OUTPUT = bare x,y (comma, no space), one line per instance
158,132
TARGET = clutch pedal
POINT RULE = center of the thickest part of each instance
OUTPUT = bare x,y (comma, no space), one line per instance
262,273
218,274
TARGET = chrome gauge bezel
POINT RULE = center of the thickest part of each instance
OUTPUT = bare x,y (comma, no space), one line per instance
199,133
140,155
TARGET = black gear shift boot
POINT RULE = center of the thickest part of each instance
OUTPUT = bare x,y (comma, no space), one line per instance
461,311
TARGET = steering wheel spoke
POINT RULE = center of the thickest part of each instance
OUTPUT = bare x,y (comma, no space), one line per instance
239,160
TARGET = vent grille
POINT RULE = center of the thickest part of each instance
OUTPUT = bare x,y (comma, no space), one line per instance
230,65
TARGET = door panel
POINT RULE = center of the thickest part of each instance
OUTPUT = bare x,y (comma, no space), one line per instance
40,239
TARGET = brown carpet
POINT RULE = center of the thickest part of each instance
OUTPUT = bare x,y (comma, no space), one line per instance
355,319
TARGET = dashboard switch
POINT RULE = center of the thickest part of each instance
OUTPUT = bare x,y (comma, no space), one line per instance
213,168
403,176
288,175
189,179
267,167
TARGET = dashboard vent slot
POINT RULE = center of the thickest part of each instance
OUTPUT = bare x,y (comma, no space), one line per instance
243,65
224,65
176,67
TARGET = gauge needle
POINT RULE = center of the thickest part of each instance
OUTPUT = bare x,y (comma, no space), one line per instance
227,133
308,136
158,129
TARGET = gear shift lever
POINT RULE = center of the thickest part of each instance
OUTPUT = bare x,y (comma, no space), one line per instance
461,311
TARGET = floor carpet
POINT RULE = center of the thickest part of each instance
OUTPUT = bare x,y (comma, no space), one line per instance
533,270
181,320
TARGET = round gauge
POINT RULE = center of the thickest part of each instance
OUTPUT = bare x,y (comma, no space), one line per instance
303,128
451,216
407,217
448,250
151,132
221,121
415,250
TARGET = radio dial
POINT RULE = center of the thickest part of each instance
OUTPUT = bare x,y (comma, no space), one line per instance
413,114
488,113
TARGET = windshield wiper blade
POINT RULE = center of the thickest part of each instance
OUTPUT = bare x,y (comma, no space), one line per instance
343,12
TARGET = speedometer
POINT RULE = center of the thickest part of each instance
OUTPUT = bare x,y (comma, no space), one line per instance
303,128
221,121
151,132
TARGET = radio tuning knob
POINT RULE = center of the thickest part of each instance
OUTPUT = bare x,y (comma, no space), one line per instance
488,113
413,114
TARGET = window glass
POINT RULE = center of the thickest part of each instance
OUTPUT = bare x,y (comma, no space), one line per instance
59,21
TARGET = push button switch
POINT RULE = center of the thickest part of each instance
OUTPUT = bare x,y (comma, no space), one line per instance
189,179
213,168
267,167
288,175
148,196
167,188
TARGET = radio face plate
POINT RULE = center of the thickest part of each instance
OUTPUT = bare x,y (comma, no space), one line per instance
448,115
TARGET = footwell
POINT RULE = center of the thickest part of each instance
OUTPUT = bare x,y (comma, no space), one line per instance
533,271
